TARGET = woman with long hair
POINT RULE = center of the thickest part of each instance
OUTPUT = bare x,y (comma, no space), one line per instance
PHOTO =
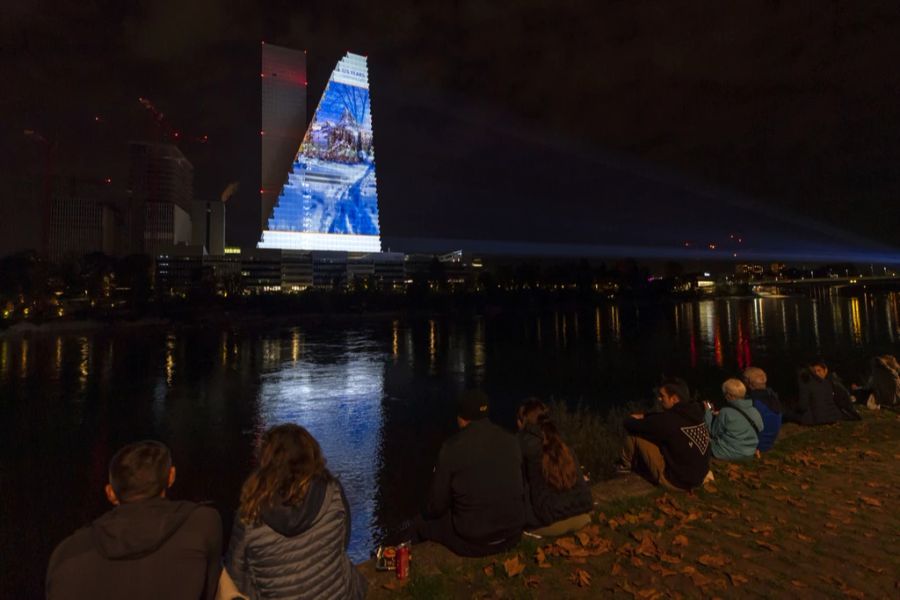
293,525
558,498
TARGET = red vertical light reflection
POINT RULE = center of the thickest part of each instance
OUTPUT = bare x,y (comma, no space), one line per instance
717,343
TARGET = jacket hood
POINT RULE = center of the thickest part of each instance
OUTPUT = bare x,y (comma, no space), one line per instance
292,520
136,529
693,411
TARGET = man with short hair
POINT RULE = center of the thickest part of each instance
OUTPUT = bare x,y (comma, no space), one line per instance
766,402
670,448
734,429
821,397
476,503
147,546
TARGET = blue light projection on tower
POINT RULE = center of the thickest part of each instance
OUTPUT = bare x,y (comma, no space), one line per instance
330,201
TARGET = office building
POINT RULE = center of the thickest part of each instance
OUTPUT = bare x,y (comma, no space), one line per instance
161,183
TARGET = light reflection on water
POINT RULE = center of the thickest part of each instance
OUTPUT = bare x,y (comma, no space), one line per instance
338,398
378,396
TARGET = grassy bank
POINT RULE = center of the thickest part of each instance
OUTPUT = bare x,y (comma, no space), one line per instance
817,517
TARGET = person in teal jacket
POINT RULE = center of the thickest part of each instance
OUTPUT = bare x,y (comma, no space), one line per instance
734,429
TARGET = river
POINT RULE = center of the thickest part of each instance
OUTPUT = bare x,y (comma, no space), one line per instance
377,394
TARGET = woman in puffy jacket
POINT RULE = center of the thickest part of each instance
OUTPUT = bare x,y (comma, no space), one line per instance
293,525
558,499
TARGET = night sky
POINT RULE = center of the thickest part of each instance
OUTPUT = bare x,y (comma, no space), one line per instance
578,122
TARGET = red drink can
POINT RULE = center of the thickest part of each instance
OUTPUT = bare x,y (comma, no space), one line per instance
402,561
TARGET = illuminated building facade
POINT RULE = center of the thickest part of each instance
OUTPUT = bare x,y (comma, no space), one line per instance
330,201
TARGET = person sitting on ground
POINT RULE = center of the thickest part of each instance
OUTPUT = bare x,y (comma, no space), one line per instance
766,402
821,398
734,429
557,499
670,448
884,382
147,546
292,528
476,502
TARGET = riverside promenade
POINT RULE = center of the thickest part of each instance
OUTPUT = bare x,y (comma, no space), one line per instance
816,517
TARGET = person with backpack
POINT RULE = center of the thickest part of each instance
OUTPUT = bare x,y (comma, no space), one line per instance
735,428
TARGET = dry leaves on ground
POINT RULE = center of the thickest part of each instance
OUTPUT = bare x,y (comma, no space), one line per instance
513,566
532,581
489,570
581,578
713,560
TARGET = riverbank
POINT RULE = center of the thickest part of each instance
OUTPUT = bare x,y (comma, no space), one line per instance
816,517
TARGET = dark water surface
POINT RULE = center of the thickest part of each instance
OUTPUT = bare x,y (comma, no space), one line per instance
377,394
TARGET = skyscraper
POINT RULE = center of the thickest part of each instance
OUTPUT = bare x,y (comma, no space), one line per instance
161,181
283,119
330,201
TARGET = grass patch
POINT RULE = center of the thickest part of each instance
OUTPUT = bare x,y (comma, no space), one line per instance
596,437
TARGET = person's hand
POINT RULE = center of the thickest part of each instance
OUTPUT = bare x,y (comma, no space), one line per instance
637,415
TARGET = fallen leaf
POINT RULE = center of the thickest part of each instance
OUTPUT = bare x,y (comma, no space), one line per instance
870,500
581,578
532,581
804,538
541,559
710,488
669,558
680,540
767,546
851,592
636,562
583,537
713,560
489,570
737,580
648,593
513,566
798,583
617,570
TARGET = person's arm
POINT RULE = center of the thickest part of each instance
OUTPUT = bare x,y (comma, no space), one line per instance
715,423
439,492
236,557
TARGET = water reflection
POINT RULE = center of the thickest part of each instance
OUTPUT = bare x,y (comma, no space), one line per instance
338,398
855,323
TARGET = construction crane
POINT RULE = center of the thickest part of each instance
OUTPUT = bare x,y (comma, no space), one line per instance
164,129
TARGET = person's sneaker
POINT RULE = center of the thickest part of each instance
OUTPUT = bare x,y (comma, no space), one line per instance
622,468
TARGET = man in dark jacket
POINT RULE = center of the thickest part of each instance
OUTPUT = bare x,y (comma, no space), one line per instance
670,448
147,547
476,504
766,401
821,398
